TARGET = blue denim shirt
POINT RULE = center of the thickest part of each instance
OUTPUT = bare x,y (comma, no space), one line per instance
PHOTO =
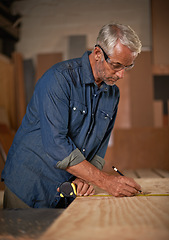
68,119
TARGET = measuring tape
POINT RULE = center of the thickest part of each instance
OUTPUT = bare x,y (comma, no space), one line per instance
138,195
153,194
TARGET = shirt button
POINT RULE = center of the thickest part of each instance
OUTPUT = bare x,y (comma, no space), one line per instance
95,95
84,150
74,108
84,111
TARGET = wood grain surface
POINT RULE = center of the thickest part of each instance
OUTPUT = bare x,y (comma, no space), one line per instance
116,218
107,217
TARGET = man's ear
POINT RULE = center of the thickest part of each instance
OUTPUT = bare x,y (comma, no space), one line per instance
97,53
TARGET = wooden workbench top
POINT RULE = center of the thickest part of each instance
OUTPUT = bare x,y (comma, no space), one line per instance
107,217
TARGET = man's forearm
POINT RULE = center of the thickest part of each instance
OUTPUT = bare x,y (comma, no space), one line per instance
89,173
117,186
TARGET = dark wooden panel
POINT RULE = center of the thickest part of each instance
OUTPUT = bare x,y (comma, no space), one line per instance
45,61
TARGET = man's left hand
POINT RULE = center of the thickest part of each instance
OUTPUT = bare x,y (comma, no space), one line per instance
83,188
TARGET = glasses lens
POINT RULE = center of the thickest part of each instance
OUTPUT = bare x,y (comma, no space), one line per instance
129,67
116,66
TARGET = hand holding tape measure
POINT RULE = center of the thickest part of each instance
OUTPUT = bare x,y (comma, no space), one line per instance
78,187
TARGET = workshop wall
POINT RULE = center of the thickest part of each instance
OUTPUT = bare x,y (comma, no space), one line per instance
47,25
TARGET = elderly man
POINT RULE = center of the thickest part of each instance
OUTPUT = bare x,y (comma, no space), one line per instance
67,126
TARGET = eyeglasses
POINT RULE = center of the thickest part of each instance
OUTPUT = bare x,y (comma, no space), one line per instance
115,65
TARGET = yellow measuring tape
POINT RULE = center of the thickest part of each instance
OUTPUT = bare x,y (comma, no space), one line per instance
138,195
153,194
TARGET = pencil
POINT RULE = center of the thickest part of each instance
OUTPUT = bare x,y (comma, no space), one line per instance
115,169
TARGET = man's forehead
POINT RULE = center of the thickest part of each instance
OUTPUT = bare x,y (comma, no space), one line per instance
122,54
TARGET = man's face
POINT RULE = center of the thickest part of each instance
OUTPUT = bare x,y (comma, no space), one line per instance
112,69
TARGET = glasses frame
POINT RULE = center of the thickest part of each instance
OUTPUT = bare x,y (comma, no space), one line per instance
116,68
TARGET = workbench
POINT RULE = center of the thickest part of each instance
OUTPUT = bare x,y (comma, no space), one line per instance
107,217
104,217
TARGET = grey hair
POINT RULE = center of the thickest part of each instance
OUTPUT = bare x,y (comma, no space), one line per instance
111,33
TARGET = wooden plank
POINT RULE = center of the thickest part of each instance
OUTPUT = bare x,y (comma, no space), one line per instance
162,173
19,87
1,199
162,69
158,113
154,173
154,185
159,13
130,173
6,137
115,218
45,61
7,89
146,173
139,148
4,119
141,109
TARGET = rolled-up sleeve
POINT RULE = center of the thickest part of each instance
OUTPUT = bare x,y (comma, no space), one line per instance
77,157
98,162
73,159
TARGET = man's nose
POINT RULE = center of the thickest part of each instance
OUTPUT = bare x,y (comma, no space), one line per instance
120,73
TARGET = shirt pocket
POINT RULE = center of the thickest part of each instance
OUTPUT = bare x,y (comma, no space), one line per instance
77,116
103,119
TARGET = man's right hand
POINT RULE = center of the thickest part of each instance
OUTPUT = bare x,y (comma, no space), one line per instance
121,186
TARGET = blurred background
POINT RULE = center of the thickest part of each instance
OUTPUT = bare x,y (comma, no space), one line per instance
34,35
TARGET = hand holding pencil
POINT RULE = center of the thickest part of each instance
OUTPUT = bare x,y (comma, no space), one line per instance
120,173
